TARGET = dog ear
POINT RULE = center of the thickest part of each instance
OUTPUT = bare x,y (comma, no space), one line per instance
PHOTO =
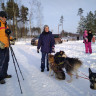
90,71
61,52
49,55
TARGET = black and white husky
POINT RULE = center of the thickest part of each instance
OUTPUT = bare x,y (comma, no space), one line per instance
70,64
92,79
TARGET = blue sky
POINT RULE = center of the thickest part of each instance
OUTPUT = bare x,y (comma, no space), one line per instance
53,9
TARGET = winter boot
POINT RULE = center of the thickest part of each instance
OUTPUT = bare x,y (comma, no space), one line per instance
47,69
42,70
8,76
2,81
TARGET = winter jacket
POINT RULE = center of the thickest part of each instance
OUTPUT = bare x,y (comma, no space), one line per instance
46,42
3,35
90,36
85,37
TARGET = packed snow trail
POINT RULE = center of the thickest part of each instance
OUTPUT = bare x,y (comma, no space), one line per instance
40,84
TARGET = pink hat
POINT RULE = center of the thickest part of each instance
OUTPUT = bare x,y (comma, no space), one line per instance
85,31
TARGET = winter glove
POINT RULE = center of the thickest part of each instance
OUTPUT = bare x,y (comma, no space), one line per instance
2,45
53,50
13,39
8,31
37,50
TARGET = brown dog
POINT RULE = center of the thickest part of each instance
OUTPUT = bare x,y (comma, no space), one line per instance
59,73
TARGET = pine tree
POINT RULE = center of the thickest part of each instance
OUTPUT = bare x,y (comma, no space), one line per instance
80,12
90,21
23,17
23,14
82,21
82,25
12,10
94,22
3,6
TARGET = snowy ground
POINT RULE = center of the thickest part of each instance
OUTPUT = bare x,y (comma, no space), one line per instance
39,84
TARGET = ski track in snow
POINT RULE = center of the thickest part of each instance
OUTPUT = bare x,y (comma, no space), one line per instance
40,84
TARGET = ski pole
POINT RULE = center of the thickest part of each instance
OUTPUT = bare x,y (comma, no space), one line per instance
15,65
16,61
16,72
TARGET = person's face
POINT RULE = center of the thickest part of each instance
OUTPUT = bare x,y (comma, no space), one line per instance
89,31
3,19
46,29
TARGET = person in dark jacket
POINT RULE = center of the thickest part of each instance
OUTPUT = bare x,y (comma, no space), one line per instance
90,36
46,43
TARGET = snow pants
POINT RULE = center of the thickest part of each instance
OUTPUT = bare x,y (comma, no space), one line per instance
43,59
4,59
88,47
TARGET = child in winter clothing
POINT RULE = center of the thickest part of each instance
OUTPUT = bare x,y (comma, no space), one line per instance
93,39
87,40
46,43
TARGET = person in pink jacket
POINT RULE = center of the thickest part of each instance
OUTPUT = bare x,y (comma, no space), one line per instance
85,40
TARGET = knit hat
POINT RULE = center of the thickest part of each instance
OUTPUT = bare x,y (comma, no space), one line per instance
3,14
46,26
85,31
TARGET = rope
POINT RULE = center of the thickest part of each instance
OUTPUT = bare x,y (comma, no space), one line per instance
80,72
81,77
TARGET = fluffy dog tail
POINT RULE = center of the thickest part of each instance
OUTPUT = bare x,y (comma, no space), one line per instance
78,64
72,64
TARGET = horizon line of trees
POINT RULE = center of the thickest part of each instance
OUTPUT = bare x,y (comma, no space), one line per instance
66,34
